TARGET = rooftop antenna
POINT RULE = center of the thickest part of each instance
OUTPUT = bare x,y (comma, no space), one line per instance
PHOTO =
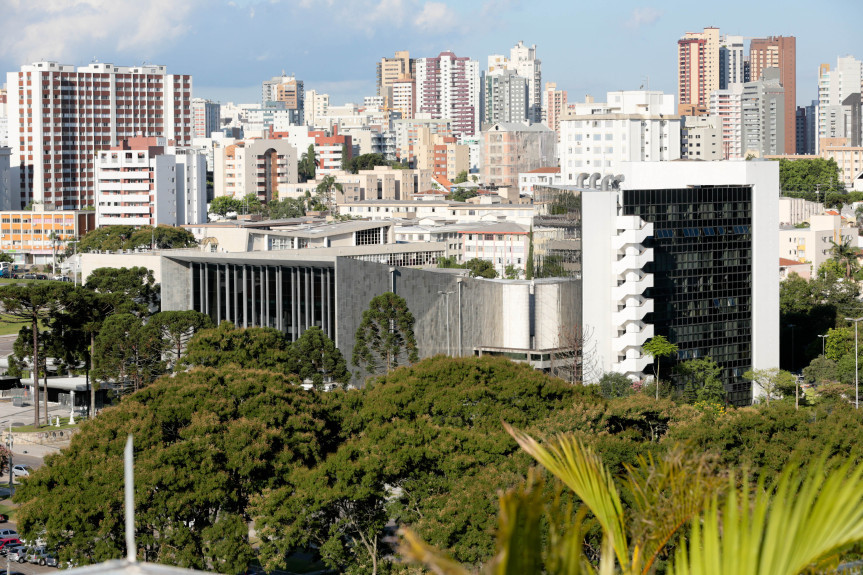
129,480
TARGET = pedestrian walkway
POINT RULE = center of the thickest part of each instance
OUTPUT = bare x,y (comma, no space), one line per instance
16,416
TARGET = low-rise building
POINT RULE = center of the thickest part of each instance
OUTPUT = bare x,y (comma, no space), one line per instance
814,244
35,236
262,167
701,138
547,176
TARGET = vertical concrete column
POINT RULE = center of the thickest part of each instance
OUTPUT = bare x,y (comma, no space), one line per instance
279,302
245,295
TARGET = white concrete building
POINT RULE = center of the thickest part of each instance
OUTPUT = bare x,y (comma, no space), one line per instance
727,105
260,167
814,244
205,117
191,186
436,212
763,116
835,118
701,138
136,184
631,126
448,88
7,185
539,177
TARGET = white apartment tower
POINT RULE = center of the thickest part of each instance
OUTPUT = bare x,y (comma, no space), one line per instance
727,105
205,117
763,113
836,90
522,60
316,107
731,61
64,116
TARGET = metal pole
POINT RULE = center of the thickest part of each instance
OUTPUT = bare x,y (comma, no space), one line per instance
856,362
129,476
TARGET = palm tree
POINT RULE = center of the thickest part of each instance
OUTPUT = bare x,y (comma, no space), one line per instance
326,194
735,528
846,255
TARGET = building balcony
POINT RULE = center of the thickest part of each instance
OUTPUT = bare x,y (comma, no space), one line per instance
632,366
631,235
633,312
634,259
634,285
632,339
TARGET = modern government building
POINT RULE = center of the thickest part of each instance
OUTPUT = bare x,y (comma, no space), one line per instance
686,249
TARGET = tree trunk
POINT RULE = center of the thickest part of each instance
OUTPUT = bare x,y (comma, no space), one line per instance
91,413
45,391
657,379
35,372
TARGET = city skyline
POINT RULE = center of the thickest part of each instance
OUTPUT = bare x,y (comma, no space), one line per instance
230,47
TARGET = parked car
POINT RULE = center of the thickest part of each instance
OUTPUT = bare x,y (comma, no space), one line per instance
17,553
21,470
8,533
7,543
41,556
29,276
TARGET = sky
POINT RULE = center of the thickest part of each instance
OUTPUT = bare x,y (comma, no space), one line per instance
230,46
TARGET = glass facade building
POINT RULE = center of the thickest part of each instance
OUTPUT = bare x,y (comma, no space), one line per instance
702,269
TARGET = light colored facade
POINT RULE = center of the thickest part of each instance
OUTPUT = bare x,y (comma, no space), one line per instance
510,149
260,167
504,244
555,106
136,184
6,183
448,88
404,98
407,133
727,105
839,89
793,211
701,138
814,244
763,114
191,186
731,62
779,52
631,126
27,235
440,154
392,75
67,114
316,107
505,98
205,117
423,211
538,177
698,71
289,91
848,158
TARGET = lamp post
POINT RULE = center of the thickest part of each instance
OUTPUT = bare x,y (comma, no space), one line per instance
446,302
856,320
823,338
9,442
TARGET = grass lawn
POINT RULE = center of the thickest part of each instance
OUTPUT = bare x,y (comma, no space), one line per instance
11,328
64,424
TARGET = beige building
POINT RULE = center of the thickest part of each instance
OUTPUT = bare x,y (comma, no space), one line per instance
848,158
555,106
441,153
510,149
698,71
261,167
814,244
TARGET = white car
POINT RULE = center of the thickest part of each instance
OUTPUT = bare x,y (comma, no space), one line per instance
21,470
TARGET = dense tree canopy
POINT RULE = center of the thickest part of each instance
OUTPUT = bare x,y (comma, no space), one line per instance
809,175
385,337
113,238
365,162
251,348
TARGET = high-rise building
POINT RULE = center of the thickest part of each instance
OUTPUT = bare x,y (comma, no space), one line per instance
505,97
205,117
727,105
65,115
404,98
779,52
290,91
315,107
806,128
391,70
555,106
440,154
838,89
448,88
731,61
522,61
510,149
701,138
697,71
632,126
763,113
259,167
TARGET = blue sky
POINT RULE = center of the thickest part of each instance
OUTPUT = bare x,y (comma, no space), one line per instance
230,46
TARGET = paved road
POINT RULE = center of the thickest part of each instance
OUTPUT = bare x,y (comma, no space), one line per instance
6,343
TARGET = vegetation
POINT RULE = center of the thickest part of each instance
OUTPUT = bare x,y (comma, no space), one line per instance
807,178
386,335
658,347
326,194
286,208
480,268
307,165
462,195
248,204
461,177
113,238
365,162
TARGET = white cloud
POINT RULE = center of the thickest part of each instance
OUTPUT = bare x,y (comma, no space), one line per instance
642,17
435,16
69,30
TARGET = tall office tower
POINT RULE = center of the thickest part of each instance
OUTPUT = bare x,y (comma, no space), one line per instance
522,60
778,52
697,71
315,107
448,88
205,117
391,70
763,113
555,106
504,97
727,105
64,115
836,91
289,90
731,61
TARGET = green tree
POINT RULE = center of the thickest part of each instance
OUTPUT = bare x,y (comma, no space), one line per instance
704,377
528,264
480,268
821,370
128,351
613,384
6,257
207,444
365,162
511,272
772,381
161,237
126,289
808,177
461,177
107,238
177,328
325,194
385,334
221,205
33,303
286,208
462,195
658,347
846,255
307,165
248,348
316,358
448,262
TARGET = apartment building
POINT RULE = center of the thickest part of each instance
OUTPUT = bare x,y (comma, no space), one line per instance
505,98
763,115
407,134
34,236
779,52
727,106
448,88
510,149
7,186
263,167
697,71
205,117
441,154
555,106
701,138
66,114
814,244
289,91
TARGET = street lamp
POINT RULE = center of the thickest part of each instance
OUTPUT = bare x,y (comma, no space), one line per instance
446,299
10,440
856,368
823,338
